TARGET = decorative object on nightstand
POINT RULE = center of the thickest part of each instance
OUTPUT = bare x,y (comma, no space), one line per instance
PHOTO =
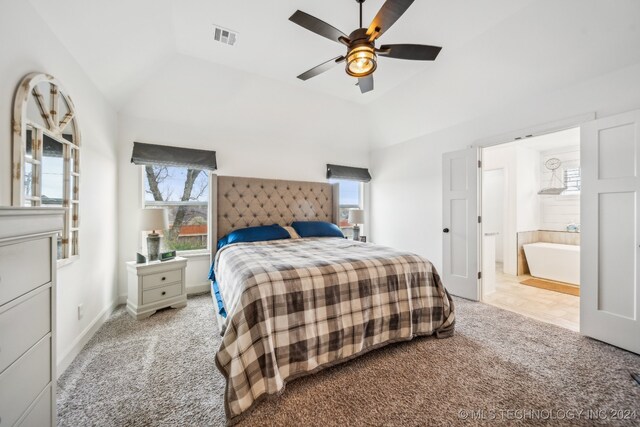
156,285
363,239
167,256
153,219
356,217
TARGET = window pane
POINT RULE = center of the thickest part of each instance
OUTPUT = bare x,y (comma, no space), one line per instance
28,180
33,110
74,243
572,181
29,148
185,194
72,160
344,217
52,173
350,198
349,193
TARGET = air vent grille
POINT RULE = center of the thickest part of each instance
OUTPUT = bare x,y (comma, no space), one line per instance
224,35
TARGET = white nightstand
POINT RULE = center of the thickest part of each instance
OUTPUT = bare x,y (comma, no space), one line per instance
156,285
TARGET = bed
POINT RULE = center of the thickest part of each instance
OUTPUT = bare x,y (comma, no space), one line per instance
291,307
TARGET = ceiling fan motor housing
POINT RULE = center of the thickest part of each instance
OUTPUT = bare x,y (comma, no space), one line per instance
361,56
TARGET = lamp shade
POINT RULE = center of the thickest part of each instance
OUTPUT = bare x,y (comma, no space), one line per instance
356,216
154,219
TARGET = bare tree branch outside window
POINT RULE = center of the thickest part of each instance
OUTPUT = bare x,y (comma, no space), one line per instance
188,211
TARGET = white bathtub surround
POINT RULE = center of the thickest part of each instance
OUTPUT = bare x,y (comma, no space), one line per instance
546,236
554,261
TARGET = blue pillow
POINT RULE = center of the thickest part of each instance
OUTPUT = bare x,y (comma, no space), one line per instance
254,234
317,229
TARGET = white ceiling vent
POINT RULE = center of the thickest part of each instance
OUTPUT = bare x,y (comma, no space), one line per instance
224,35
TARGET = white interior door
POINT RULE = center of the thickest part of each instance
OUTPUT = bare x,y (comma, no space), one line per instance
460,223
610,291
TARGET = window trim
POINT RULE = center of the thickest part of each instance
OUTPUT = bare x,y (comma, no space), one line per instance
188,253
55,127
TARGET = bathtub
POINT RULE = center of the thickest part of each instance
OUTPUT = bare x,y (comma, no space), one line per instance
554,261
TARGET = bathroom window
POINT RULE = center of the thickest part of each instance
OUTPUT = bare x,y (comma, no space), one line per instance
572,181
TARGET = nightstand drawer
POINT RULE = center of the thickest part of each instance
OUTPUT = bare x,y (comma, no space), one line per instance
159,279
158,294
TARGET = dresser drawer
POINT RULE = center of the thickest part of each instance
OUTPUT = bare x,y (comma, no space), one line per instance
23,381
42,412
23,325
158,294
23,267
159,279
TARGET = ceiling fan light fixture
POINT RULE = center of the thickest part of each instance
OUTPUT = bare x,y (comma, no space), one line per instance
361,61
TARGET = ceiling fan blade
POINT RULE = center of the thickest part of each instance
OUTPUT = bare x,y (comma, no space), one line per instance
319,69
388,14
416,52
317,26
366,83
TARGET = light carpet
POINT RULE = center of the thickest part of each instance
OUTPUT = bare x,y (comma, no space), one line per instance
505,367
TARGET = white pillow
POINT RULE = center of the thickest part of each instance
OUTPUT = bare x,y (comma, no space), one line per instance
292,232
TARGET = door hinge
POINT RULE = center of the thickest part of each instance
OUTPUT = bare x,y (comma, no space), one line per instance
479,274
479,219
479,163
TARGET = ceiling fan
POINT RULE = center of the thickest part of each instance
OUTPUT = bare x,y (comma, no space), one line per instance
362,53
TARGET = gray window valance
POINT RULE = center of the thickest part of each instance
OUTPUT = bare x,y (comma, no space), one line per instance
151,154
348,172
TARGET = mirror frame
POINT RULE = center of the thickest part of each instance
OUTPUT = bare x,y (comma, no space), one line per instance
54,128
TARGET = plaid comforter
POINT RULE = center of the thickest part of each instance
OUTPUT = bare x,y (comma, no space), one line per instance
296,306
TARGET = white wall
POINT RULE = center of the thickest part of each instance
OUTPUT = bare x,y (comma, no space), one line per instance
505,158
494,207
407,178
246,154
528,185
559,211
29,46
259,127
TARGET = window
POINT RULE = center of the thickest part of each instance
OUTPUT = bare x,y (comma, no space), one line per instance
351,197
47,155
185,194
572,181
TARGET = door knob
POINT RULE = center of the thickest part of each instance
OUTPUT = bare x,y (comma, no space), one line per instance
446,230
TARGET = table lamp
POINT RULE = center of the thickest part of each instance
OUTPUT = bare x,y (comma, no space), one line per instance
356,217
153,219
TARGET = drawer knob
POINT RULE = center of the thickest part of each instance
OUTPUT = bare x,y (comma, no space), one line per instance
164,292
164,278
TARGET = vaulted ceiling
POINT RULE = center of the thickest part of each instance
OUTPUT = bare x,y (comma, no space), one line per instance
495,53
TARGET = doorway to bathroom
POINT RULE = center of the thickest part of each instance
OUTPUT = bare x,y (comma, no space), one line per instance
530,209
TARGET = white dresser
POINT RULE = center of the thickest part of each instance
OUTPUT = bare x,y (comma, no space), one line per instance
28,248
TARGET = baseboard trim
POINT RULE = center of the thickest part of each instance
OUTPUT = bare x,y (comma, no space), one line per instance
85,336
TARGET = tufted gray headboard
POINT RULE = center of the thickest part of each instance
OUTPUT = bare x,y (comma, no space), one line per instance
246,202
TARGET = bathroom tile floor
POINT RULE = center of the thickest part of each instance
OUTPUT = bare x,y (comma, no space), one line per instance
540,304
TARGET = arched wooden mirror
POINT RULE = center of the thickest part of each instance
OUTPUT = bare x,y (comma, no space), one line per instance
46,153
